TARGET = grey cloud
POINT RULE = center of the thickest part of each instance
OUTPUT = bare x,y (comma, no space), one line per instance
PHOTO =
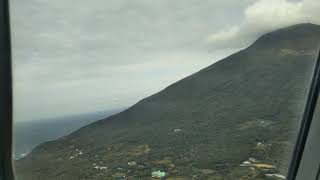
79,56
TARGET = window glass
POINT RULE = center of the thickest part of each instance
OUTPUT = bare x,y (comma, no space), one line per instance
309,165
115,89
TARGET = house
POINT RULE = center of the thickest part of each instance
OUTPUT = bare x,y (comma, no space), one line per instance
276,175
246,164
252,162
158,174
264,166
132,163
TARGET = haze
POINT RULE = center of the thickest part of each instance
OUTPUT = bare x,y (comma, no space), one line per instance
71,58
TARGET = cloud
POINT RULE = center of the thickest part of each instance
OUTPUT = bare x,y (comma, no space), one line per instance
41,92
264,16
94,55
69,58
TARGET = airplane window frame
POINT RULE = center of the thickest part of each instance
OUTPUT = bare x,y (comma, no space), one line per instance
302,137
6,165
6,168
310,161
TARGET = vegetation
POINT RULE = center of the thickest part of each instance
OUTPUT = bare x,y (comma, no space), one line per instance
203,127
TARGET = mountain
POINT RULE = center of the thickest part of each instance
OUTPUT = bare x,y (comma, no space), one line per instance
204,126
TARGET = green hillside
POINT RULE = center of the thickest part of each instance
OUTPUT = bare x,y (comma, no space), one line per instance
204,126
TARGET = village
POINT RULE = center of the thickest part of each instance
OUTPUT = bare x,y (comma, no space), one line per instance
254,165
167,168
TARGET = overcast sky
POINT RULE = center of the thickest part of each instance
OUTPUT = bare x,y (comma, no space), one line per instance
73,57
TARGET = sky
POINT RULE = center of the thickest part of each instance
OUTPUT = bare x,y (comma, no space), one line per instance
73,57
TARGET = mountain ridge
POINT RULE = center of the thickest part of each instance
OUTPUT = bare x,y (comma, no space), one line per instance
234,54
220,113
